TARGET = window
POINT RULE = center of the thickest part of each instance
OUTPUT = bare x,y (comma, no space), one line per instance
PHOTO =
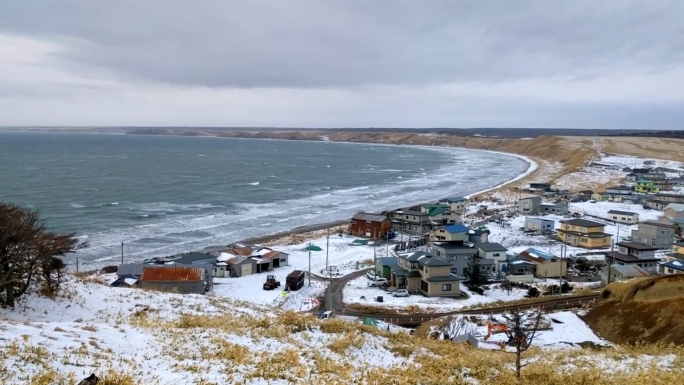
653,242
368,223
605,240
553,259
283,260
583,240
496,255
426,269
454,270
446,287
354,222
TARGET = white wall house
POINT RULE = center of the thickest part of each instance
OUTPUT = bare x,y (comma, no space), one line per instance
623,217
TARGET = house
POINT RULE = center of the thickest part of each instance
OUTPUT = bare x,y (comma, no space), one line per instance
601,196
554,208
543,186
679,223
675,260
641,171
177,279
370,225
625,217
459,255
645,186
672,198
584,233
440,214
655,204
411,221
584,195
492,251
519,270
633,253
136,269
631,177
242,265
672,267
127,280
617,273
545,265
619,190
453,233
425,273
278,258
656,234
384,266
456,204
529,205
678,182
193,259
479,235
539,225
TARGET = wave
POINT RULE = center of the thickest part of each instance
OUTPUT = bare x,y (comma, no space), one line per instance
244,220
77,205
254,183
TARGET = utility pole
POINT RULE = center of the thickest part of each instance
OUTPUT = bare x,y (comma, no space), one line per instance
327,246
77,264
122,253
309,264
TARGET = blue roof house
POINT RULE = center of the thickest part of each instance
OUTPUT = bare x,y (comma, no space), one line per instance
453,233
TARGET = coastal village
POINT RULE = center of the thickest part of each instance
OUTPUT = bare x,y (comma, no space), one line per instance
456,269
535,234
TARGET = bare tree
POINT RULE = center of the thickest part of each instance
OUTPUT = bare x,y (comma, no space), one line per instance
521,332
29,252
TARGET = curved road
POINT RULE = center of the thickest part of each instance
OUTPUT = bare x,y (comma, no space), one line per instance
338,306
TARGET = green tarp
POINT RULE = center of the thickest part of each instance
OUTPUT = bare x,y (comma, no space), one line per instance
313,248
370,321
360,242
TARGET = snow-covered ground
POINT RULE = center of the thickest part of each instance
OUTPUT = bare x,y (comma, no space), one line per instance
150,335
595,176
343,256
566,330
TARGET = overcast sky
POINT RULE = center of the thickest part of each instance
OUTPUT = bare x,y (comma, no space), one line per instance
344,63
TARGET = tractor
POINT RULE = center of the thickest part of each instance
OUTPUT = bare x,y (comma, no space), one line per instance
271,282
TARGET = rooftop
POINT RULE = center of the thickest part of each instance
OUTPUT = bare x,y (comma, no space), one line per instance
453,246
675,206
636,246
618,212
657,224
443,278
457,228
491,246
453,199
629,271
582,222
156,273
627,258
369,217
675,265
429,260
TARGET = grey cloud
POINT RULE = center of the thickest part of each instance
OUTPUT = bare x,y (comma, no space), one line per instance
321,44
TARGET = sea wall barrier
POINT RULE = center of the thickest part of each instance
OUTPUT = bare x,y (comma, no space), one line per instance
295,231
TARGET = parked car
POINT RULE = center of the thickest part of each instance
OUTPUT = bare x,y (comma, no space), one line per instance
592,201
379,282
400,293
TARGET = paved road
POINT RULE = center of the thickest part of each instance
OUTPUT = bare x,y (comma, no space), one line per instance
338,306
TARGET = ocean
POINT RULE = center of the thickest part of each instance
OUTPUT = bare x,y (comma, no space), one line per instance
163,195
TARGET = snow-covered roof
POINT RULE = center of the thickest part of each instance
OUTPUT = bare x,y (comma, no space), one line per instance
224,257
130,281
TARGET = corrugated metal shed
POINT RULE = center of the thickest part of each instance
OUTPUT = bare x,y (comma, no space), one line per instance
152,274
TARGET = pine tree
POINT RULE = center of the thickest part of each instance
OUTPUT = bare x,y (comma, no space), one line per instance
475,276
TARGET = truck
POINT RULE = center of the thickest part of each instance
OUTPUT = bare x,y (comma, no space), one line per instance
295,280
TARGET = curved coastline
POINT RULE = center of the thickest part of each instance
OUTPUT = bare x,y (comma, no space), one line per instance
416,197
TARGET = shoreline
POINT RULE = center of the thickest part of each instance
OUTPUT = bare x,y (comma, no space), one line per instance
287,237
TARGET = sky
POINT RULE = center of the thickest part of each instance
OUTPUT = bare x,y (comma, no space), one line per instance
616,64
